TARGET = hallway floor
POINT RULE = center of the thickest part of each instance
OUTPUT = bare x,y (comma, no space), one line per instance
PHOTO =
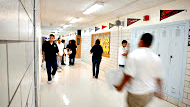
75,87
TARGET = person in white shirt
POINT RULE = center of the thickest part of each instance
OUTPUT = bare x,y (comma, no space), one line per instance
61,52
63,61
122,54
143,74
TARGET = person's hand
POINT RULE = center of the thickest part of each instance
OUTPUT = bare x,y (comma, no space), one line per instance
158,94
118,88
43,60
60,58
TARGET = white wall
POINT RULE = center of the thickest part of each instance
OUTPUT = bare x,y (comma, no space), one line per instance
67,38
124,33
17,53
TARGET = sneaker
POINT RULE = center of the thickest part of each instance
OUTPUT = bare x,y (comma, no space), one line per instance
60,70
49,82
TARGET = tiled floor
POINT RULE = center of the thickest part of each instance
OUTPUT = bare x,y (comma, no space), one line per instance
75,87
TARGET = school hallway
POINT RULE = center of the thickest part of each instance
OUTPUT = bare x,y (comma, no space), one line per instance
75,87
38,32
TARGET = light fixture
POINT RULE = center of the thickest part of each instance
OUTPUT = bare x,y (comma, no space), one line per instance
65,26
94,8
74,20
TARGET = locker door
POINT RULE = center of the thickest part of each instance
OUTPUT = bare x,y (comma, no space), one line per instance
137,38
163,50
133,33
155,43
136,34
177,38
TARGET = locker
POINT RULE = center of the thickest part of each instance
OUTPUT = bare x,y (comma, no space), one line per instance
176,53
155,42
170,43
163,52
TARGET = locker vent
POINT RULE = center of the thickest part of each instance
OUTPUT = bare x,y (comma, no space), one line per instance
177,32
164,33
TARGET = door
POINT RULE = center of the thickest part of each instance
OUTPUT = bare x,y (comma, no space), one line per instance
163,52
136,38
155,43
78,42
176,60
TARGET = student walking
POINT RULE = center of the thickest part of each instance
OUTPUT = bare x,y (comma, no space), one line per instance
72,53
49,51
64,55
61,52
122,54
143,72
96,52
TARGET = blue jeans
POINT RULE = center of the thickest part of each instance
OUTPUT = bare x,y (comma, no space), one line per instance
48,66
59,62
96,64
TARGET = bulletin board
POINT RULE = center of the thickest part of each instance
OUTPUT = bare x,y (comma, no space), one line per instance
104,42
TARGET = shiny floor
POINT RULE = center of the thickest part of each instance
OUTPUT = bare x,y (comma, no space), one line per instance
75,87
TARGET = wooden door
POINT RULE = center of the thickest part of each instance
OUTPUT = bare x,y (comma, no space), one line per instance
78,43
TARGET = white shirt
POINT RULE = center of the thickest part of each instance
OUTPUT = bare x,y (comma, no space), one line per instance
60,47
144,66
121,58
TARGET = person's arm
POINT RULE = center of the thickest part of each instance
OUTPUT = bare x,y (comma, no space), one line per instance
69,51
129,73
126,79
63,51
102,50
43,53
91,51
59,56
158,93
125,54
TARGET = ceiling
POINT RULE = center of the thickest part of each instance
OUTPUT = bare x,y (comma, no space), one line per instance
56,13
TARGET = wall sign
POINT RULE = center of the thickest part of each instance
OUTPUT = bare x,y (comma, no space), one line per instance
111,25
131,21
167,13
96,29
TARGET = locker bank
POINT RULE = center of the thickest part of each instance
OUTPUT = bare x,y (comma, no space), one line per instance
76,25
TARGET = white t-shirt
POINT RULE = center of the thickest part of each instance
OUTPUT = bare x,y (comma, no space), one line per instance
144,66
121,58
60,47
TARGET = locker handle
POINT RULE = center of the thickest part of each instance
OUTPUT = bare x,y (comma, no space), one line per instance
171,57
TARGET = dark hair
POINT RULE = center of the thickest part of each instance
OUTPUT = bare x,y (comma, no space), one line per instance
51,35
72,42
97,42
147,39
124,41
58,38
63,41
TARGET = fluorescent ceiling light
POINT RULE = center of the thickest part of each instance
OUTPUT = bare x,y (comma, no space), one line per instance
94,8
65,26
74,20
